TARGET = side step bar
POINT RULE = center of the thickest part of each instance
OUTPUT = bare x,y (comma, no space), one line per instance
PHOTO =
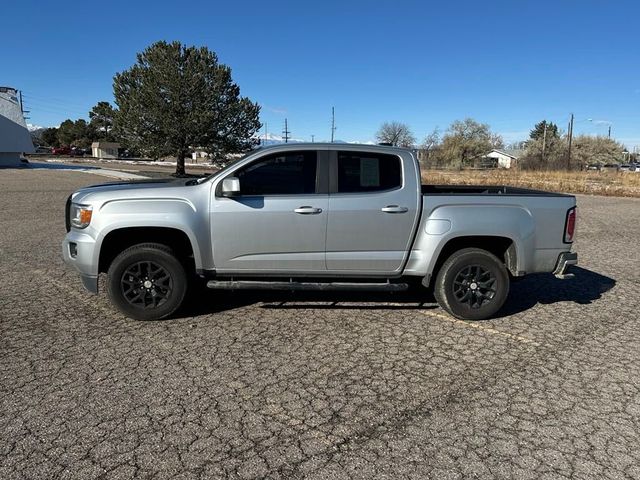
315,286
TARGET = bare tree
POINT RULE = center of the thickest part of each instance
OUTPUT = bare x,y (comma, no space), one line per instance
468,139
596,150
429,144
396,133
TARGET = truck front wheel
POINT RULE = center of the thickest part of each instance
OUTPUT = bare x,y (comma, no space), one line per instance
147,282
472,284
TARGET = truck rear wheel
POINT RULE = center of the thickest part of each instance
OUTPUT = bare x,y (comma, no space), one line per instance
147,282
472,284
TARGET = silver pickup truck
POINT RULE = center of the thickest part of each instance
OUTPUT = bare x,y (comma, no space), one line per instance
315,217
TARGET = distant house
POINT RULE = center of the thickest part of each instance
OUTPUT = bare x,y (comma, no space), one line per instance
105,149
500,158
14,136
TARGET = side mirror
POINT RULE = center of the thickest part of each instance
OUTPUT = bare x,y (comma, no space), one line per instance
230,187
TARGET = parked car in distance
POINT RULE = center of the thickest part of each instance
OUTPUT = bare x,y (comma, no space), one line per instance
593,166
42,149
315,217
61,150
625,167
76,152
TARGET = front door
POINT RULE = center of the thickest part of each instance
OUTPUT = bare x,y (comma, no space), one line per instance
277,224
373,209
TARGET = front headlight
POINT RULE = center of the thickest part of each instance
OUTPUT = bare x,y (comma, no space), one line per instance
80,215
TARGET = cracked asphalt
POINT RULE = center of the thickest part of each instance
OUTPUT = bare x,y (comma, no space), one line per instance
328,387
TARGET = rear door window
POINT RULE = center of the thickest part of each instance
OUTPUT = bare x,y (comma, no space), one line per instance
368,172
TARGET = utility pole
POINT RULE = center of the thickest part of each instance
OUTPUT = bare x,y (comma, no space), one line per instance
313,138
544,141
333,122
609,131
266,136
570,141
286,131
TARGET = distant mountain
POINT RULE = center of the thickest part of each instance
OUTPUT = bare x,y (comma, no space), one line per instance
272,139
37,132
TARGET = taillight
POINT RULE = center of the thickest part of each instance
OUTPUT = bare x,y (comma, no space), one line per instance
570,226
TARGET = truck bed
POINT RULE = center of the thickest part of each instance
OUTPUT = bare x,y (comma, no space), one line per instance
485,190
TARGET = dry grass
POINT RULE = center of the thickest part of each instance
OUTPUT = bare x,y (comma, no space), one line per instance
618,184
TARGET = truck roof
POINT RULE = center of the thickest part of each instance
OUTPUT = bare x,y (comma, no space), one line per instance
333,146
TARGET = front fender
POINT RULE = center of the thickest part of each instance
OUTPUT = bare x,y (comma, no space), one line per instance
178,214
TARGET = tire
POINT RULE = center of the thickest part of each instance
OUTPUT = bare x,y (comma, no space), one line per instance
472,284
147,282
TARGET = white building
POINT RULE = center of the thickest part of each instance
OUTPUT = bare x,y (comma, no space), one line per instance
501,158
15,138
104,149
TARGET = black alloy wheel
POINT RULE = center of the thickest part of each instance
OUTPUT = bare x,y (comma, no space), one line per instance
146,284
147,281
472,284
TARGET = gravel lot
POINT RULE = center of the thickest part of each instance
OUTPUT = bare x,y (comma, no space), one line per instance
241,386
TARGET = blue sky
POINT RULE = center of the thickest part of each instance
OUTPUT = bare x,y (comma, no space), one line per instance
506,63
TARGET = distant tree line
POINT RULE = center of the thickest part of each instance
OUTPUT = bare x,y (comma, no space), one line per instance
465,142
548,149
81,133
461,145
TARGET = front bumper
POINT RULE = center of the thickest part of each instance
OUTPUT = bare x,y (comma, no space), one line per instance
79,252
564,261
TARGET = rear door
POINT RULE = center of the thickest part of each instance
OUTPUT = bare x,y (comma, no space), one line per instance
373,211
278,222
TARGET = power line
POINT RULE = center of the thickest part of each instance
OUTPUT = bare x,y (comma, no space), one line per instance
53,100
286,131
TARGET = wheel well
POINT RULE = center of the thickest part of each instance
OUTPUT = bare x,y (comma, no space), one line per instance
121,239
501,247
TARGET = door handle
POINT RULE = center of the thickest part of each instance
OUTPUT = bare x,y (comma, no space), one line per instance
306,210
394,209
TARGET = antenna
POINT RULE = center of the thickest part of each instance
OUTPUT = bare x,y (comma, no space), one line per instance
22,106
286,131
333,122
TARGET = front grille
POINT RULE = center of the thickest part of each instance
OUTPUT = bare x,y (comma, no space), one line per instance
67,214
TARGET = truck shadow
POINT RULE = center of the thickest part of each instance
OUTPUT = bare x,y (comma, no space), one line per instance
585,288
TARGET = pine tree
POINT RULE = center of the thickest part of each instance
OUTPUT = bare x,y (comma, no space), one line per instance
175,98
538,130
102,117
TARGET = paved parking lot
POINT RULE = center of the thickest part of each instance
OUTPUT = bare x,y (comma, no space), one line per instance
241,386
